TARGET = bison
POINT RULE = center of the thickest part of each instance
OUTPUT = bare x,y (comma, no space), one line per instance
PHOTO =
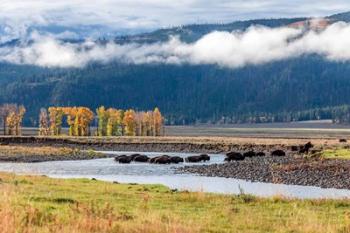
249,154
234,156
198,158
164,159
278,153
123,159
305,149
260,154
176,159
141,158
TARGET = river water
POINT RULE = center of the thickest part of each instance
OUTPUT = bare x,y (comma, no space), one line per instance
144,173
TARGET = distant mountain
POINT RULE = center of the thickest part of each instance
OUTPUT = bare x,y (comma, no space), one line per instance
341,17
191,33
307,87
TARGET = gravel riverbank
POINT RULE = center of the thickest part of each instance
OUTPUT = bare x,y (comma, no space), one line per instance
293,170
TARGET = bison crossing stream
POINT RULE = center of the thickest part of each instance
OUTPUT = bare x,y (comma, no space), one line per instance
149,173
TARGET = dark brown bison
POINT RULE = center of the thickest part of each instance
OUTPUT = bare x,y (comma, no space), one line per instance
164,159
305,149
123,159
343,140
176,159
260,154
236,156
278,153
205,157
197,158
133,156
249,154
141,158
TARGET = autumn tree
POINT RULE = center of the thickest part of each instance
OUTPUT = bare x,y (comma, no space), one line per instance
129,123
71,113
55,116
5,111
102,115
139,123
83,118
44,129
144,124
14,120
114,122
150,124
158,122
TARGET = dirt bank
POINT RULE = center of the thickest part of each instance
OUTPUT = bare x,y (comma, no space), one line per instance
168,144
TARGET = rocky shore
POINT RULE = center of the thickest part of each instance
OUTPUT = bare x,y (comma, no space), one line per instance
290,169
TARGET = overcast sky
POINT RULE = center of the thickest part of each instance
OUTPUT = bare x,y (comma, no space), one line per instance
138,15
49,20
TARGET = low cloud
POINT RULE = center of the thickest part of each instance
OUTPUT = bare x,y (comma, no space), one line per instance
256,45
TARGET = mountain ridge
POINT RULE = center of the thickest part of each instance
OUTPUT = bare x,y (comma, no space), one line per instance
307,87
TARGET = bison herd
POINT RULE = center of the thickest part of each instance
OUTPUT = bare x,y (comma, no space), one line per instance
231,156
164,159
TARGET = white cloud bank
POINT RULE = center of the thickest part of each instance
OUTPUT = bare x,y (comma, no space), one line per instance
256,45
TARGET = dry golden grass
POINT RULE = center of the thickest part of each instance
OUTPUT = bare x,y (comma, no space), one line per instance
36,150
30,153
39,204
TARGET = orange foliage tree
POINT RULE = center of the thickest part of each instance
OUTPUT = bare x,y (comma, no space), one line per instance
129,123
158,122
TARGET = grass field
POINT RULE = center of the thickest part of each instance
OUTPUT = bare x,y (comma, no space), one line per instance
338,153
40,204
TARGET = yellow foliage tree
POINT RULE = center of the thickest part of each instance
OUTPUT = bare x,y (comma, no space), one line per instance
14,120
102,115
129,123
78,119
158,122
114,122
55,116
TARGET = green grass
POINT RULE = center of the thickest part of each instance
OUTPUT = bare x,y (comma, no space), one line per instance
40,204
336,154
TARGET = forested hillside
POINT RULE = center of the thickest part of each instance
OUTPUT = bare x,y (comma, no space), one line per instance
302,88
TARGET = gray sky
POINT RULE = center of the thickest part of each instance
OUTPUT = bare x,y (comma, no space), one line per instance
135,15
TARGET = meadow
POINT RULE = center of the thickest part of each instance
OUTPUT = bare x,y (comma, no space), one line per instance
41,204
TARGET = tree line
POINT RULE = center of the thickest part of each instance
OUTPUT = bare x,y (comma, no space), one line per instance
114,122
110,122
